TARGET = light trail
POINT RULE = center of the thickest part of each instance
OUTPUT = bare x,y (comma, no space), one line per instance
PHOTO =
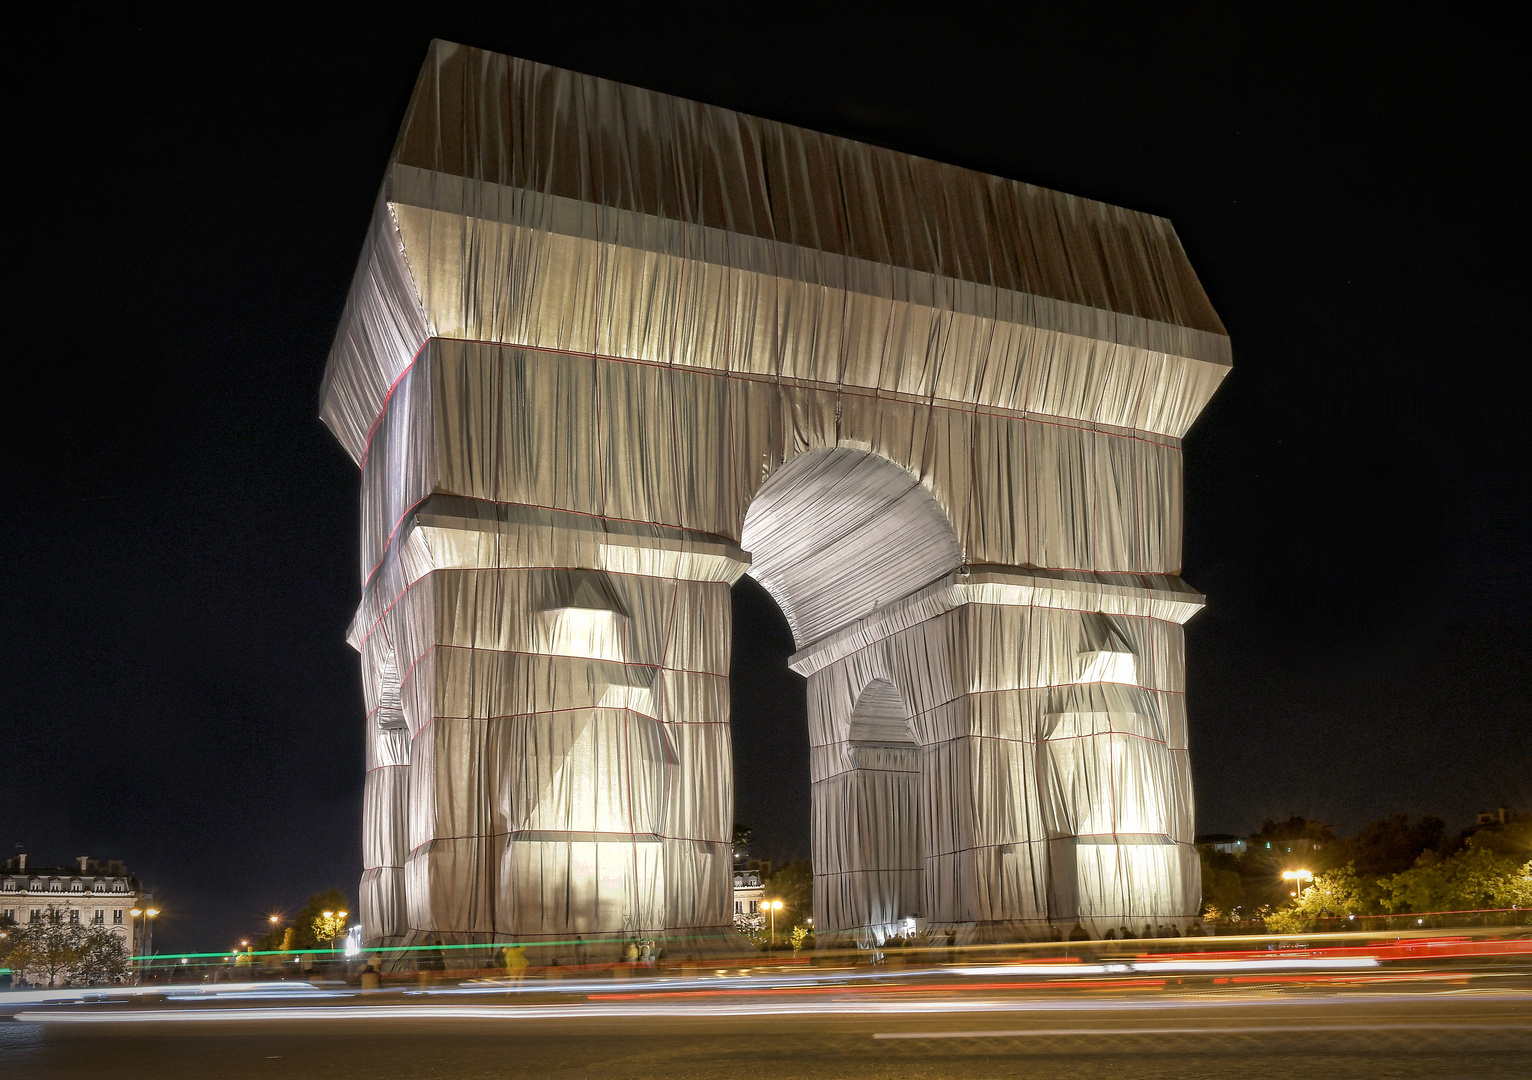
790,980
671,1009
188,992
1268,1029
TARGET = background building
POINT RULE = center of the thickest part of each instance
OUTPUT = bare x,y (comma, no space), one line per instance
93,892
1227,843
747,892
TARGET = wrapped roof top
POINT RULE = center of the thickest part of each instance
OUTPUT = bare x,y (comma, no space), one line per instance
495,138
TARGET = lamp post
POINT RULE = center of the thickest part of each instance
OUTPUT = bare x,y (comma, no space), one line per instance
1297,877
141,917
334,923
773,906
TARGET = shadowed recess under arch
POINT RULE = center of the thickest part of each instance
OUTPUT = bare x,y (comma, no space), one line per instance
836,534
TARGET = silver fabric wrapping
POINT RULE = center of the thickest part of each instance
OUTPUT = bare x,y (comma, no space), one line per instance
605,351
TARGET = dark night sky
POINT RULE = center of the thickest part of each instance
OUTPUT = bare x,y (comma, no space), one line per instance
187,206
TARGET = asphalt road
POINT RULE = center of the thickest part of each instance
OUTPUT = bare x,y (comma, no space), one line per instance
1428,1030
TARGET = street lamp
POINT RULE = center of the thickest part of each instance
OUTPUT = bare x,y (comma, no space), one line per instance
773,906
334,922
142,916
1297,877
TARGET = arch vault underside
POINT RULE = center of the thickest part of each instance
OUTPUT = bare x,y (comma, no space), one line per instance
605,352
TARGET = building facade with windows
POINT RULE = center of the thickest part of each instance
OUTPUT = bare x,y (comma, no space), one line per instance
1225,843
747,892
92,892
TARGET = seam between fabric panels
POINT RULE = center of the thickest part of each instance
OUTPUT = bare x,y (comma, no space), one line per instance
555,656
1047,840
608,832
566,709
929,748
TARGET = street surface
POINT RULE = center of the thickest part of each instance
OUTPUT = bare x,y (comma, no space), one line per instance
1470,1017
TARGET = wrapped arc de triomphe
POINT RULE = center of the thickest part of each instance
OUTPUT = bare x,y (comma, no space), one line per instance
606,351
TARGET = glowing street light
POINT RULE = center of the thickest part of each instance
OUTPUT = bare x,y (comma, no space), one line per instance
331,924
773,906
145,914
1298,877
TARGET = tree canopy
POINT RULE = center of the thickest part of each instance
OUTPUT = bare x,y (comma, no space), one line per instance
794,886
304,931
55,950
1393,866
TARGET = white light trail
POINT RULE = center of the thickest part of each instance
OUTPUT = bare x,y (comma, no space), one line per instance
693,1008
1267,1029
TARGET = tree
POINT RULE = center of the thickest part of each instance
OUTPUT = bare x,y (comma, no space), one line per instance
1513,839
55,950
1392,845
102,957
742,837
8,941
1332,894
752,925
329,925
794,886
1476,878
1223,889
1322,845
304,933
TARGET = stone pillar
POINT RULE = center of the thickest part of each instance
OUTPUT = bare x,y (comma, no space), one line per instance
565,684
1053,781
867,807
385,839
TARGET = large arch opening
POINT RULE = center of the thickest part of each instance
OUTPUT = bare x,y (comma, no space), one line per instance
834,535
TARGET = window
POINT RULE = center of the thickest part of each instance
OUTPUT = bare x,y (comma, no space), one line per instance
77,886
117,916
119,886
10,886
755,907
99,886
74,914
55,886
10,913
35,915
739,907
100,917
